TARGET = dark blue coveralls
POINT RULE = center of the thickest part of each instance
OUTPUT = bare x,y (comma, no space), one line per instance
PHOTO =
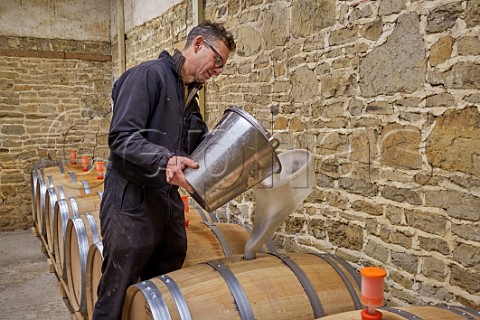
142,219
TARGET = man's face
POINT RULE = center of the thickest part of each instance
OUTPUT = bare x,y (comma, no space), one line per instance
211,58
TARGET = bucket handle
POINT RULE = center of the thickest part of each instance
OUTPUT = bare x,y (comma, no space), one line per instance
274,142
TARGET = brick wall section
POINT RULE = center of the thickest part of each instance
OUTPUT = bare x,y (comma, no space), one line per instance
54,97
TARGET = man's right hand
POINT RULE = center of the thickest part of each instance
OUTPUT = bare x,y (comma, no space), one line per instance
174,173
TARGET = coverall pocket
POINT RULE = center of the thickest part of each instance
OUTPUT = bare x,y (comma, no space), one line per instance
133,197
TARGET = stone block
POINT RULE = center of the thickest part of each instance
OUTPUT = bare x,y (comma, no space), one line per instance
280,123
317,228
233,7
356,186
467,254
457,204
305,85
441,51
467,279
294,224
443,17
434,244
345,235
333,143
249,41
435,291
275,32
343,36
373,31
473,98
314,42
325,181
364,145
402,238
462,75
355,107
408,297
310,16
434,268
296,125
430,222
405,281
401,195
333,110
366,122
413,117
405,261
376,251
443,100
469,46
394,214
401,146
368,207
338,85
16,130
467,231
397,65
472,13
391,6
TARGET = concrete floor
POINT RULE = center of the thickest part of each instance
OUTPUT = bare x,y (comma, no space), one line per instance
28,290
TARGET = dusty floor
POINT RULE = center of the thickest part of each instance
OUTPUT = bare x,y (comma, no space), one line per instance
28,290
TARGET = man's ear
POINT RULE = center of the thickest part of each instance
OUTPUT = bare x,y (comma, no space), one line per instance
197,43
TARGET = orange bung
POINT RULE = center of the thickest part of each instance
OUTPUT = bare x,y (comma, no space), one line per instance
372,301
185,204
100,170
372,292
85,163
73,157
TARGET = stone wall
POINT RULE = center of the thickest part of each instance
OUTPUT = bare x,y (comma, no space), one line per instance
54,96
386,95
147,41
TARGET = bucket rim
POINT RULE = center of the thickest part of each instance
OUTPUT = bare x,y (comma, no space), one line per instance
250,119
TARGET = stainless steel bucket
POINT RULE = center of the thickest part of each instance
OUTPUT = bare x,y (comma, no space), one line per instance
236,155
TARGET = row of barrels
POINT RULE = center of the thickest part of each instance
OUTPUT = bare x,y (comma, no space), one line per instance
65,207
215,281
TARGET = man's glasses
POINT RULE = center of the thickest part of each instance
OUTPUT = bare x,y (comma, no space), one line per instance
219,60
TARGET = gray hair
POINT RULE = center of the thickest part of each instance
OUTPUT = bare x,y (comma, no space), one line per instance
212,31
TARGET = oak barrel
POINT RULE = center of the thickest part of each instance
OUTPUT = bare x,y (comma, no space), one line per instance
64,210
93,274
272,286
440,312
81,232
197,214
206,241
64,191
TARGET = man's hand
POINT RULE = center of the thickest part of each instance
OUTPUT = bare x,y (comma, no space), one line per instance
175,167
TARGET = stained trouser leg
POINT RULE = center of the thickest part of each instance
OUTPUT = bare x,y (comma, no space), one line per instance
130,235
170,252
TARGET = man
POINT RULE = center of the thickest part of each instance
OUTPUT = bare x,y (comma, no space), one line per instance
155,125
